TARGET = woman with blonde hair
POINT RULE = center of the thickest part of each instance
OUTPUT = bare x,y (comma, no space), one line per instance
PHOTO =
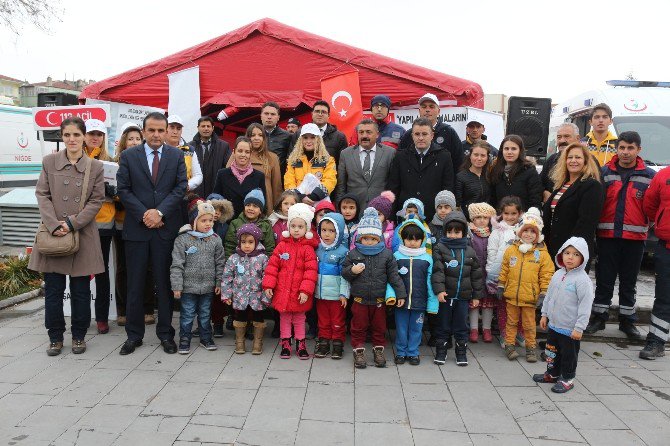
310,156
573,208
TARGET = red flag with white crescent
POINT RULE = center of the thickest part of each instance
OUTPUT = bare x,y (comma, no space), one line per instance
343,93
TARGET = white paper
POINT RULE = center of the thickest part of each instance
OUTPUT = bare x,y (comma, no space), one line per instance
109,171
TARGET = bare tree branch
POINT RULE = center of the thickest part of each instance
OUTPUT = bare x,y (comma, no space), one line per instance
14,14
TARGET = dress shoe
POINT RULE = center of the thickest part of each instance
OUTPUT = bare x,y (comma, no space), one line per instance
595,325
169,346
129,346
631,330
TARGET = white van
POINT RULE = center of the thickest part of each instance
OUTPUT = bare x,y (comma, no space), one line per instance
636,105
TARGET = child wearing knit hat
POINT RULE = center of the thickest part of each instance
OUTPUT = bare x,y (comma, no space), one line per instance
369,268
480,230
195,274
290,278
254,212
412,208
383,204
445,202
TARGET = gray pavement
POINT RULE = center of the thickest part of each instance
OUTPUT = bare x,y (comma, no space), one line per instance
101,398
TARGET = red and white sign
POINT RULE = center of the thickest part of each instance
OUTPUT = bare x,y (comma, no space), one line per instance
50,118
343,92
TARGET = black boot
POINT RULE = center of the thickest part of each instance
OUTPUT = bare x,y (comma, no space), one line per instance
654,349
627,326
461,353
440,353
597,323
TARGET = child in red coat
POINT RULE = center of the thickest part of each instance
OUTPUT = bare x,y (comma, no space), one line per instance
290,278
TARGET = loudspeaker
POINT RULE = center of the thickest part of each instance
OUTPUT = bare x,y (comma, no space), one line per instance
529,118
55,100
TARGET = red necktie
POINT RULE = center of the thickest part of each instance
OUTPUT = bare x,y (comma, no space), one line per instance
154,167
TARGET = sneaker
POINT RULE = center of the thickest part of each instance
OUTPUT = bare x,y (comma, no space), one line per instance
322,348
55,348
531,356
208,344
149,319
196,333
631,330
511,352
184,346
338,350
487,336
474,335
285,349
218,330
461,354
103,327
359,358
302,349
520,340
78,346
562,386
379,357
598,323
440,353
400,360
414,360
544,378
653,349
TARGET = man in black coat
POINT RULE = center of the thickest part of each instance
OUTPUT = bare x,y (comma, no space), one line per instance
212,152
151,184
422,171
279,140
444,135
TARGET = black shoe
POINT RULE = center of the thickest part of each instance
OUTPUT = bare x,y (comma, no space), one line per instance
631,330
461,353
229,324
338,349
562,386
399,360
544,378
218,330
184,346
440,353
322,348
169,346
414,360
598,323
129,346
208,344
654,349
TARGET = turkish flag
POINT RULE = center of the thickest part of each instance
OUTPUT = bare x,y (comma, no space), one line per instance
343,93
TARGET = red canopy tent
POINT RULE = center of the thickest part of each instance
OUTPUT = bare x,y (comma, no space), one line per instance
267,60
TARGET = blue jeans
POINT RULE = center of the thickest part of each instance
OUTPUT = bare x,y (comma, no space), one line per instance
80,303
408,330
192,304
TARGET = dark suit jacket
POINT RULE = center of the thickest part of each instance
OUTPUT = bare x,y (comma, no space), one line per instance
350,178
211,162
138,193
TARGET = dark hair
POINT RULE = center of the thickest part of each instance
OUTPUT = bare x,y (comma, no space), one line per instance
156,116
631,137
205,119
412,232
367,121
339,203
78,122
321,102
242,139
250,129
423,122
480,143
510,200
271,104
604,107
521,163
455,224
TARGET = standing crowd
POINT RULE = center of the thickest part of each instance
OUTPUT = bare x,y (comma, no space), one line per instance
398,229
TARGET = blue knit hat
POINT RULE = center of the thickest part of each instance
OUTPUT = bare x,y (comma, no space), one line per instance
381,99
255,197
369,224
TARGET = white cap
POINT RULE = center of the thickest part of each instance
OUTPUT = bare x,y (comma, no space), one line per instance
310,129
130,125
429,97
175,119
95,125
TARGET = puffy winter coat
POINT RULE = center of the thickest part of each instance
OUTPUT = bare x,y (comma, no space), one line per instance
457,271
292,270
525,276
622,215
263,223
197,263
242,280
324,170
570,294
526,185
330,284
502,236
370,284
657,204
471,188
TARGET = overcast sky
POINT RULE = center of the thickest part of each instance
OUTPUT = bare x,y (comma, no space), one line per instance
550,49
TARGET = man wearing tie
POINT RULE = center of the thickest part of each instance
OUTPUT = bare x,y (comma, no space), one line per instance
151,183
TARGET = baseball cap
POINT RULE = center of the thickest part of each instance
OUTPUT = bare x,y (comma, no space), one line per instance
175,119
429,97
130,126
310,129
95,125
294,121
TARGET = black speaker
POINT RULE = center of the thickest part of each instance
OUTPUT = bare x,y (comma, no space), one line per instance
529,118
55,100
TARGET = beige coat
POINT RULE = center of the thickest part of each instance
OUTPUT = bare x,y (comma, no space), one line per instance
58,192
273,182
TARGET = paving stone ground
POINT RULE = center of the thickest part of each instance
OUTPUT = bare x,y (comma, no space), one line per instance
101,398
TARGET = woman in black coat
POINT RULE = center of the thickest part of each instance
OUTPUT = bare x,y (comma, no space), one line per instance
573,208
236,181
513,174
472,184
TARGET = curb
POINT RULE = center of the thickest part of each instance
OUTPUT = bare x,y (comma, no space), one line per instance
11,301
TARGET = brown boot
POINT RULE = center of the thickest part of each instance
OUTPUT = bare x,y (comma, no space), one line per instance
259,331
359,358
120,321
379,357
510,352
240,330
530,354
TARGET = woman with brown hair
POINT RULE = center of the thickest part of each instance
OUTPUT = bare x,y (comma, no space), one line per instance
513,174
472,184
574,206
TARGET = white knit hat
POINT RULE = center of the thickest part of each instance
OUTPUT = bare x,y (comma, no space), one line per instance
303,212
531,219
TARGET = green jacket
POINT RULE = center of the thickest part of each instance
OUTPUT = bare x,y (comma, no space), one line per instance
231,236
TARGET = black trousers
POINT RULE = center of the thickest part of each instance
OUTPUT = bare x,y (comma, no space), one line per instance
452,320
622,258
102,288
80,304
660,313
122,280
158,252
248,315
562,352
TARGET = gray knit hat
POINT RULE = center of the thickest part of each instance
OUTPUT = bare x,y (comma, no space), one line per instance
445,197
370,224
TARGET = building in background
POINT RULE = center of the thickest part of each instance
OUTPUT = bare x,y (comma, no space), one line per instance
9,90
29,92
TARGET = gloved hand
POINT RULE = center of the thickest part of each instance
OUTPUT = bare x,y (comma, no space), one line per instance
499,293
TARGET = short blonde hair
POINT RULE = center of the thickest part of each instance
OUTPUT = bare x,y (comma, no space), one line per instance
560,175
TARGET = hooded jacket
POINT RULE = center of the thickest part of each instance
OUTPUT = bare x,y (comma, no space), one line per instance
351,225
568,302
330,284
525,275
415,267
197,263
221,225
457,271
370,285
502,236
230,243
242,279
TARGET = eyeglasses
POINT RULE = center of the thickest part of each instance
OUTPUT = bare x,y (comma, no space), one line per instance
320,112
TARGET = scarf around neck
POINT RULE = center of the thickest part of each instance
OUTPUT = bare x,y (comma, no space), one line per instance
455,243
482,232
370,250
411,252
240,173
201,235
437,220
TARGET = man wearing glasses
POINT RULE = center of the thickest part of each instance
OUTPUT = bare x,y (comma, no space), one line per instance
334,140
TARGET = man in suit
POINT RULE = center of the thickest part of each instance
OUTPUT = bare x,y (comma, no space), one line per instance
151,183
363,169
212,153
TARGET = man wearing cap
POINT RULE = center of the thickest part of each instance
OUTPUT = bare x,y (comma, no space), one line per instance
474,130
212,153
364,168
279,140
293,126
173,138
390,133
334,140
444,135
